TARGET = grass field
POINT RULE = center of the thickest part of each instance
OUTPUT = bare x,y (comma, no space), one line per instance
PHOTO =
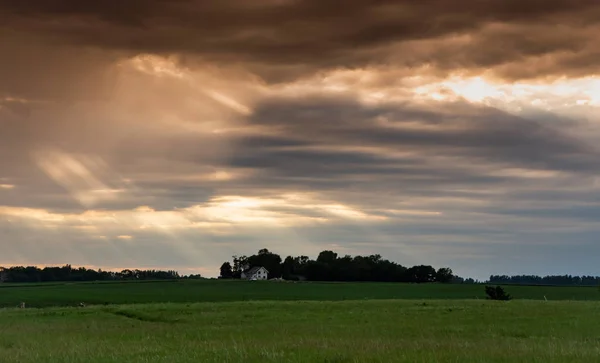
241,321
306,331
189,291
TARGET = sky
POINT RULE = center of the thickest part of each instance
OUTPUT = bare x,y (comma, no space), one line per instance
175,134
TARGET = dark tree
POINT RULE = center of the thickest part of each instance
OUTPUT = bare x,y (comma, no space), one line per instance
444,275
318,271
226,271
294,268
327,257
68,273
556,280
287,268
496,293
239,264
421,274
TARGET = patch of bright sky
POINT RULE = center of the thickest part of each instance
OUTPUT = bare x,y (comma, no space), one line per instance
572,97
281,211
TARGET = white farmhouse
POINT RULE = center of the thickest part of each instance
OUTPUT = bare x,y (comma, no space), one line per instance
255,273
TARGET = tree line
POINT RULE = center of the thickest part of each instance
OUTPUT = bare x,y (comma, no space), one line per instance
330,267
68,273
562,280
327,267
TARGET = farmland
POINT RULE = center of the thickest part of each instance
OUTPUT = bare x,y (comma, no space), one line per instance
306,331
240,321
190,291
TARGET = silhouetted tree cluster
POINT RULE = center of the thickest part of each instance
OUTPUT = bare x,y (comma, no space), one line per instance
226,271
330,267
461,280
497,293
564,280
68,273
191,277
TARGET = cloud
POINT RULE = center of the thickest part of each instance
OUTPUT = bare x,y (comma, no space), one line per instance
283,39
222,211
347,132
427,131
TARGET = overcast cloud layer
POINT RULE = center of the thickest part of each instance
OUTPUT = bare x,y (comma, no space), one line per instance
174,134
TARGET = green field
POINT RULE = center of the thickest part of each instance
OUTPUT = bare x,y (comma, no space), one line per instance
189,291
306,331
240,321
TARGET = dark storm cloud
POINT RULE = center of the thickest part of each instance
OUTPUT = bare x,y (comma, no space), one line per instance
35,71
284,38
460,130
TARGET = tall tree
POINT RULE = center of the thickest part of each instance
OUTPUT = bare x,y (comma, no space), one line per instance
327,257
444,275
226,271
287,268
239,264
421,274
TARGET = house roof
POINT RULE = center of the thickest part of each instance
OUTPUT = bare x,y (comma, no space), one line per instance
254,270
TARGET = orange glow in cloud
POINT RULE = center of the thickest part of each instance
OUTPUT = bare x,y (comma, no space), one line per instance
551,96
217,213
374,86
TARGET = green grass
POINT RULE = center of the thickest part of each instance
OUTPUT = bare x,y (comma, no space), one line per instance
306,331
188,291
241,321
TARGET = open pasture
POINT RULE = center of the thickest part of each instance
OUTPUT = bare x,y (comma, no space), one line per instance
306,331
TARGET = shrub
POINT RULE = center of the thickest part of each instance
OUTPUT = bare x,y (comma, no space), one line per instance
496,293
